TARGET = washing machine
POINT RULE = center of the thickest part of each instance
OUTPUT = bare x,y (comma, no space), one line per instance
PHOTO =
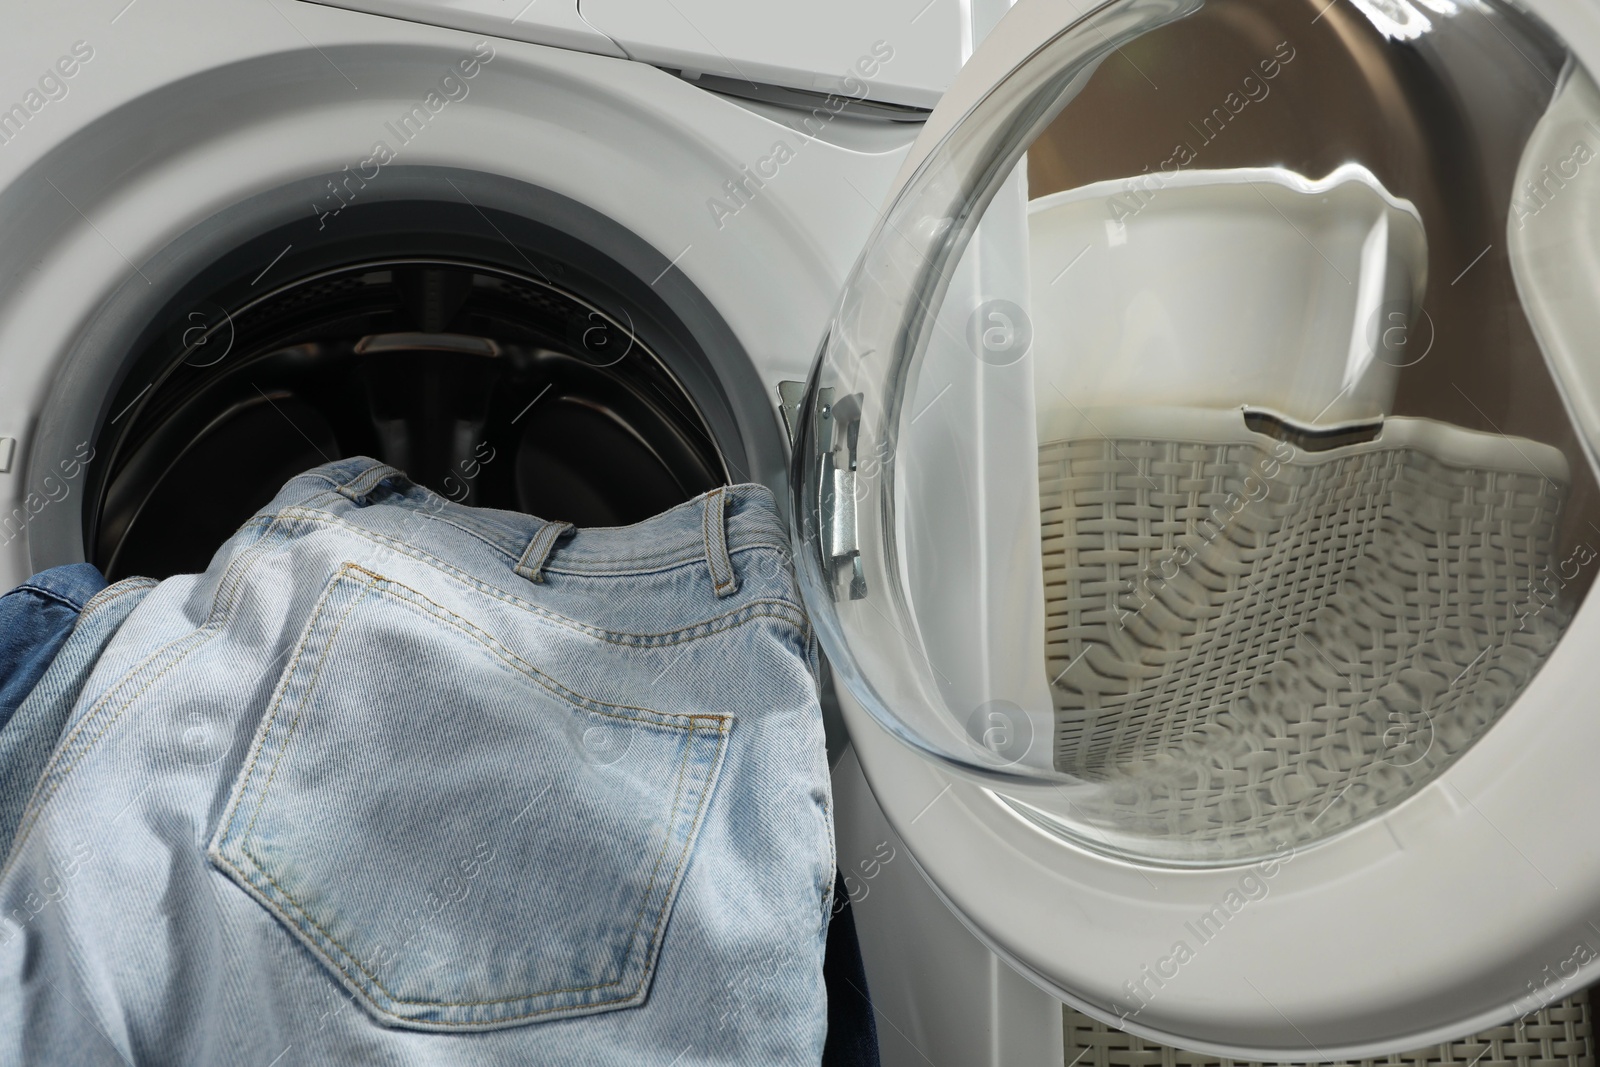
1185,411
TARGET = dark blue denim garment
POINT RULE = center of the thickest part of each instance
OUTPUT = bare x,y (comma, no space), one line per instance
852,1029
35,620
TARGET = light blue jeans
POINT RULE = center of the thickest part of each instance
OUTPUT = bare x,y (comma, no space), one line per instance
400,781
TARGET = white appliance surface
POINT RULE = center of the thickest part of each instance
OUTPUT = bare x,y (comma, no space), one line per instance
177,110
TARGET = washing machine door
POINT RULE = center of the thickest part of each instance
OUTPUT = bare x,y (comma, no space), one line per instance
1196,497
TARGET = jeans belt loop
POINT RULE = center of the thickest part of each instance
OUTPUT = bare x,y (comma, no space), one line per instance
715,523
537,554
359,488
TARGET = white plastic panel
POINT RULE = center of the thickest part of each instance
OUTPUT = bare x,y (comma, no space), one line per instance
266,103
1141,325
896,53
553,22
1473,901
1554,251
939,995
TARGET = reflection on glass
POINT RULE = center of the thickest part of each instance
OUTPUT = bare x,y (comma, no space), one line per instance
1273,317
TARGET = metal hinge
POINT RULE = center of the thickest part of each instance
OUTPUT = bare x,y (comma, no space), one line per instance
837,440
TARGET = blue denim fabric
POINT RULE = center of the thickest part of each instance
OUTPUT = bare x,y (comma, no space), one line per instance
401,781
28,738
852,1028
35,619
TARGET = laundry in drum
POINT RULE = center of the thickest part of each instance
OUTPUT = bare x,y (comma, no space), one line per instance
526,522
394,768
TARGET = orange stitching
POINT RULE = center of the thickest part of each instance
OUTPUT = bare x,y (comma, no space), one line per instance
261,731
648,893
655,868
114,592
705,534
49,781
517,663
48,786
266,727
468,628
322,954
611,636
694,828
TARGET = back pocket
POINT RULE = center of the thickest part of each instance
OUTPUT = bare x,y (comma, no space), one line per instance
464,842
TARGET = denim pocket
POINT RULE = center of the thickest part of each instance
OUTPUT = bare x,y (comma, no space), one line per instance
464,842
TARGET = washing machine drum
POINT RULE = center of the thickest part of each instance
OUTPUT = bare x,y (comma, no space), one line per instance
1200,458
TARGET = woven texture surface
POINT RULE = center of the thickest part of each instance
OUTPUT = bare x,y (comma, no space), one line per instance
1557,1035
1256,646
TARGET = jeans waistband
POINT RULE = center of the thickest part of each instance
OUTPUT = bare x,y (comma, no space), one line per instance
714,527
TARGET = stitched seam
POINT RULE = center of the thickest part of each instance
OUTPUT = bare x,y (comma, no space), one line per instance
440,613
482,535
225,590
705,534
501,652
507,534
688,748
98,601
114,592
375,475
694,829
325,474
262,730
666,837
643,907
323,954
537,554
51,781
795,615
48,786
49,594
471,532
371,978
654,564
311,686
712,521
48,790
663,560
547,542
720,535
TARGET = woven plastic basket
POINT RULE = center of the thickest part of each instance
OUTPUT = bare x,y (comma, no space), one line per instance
1256,643
1557,1035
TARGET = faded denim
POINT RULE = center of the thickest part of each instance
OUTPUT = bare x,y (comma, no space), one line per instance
35,619
401,781
31,733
